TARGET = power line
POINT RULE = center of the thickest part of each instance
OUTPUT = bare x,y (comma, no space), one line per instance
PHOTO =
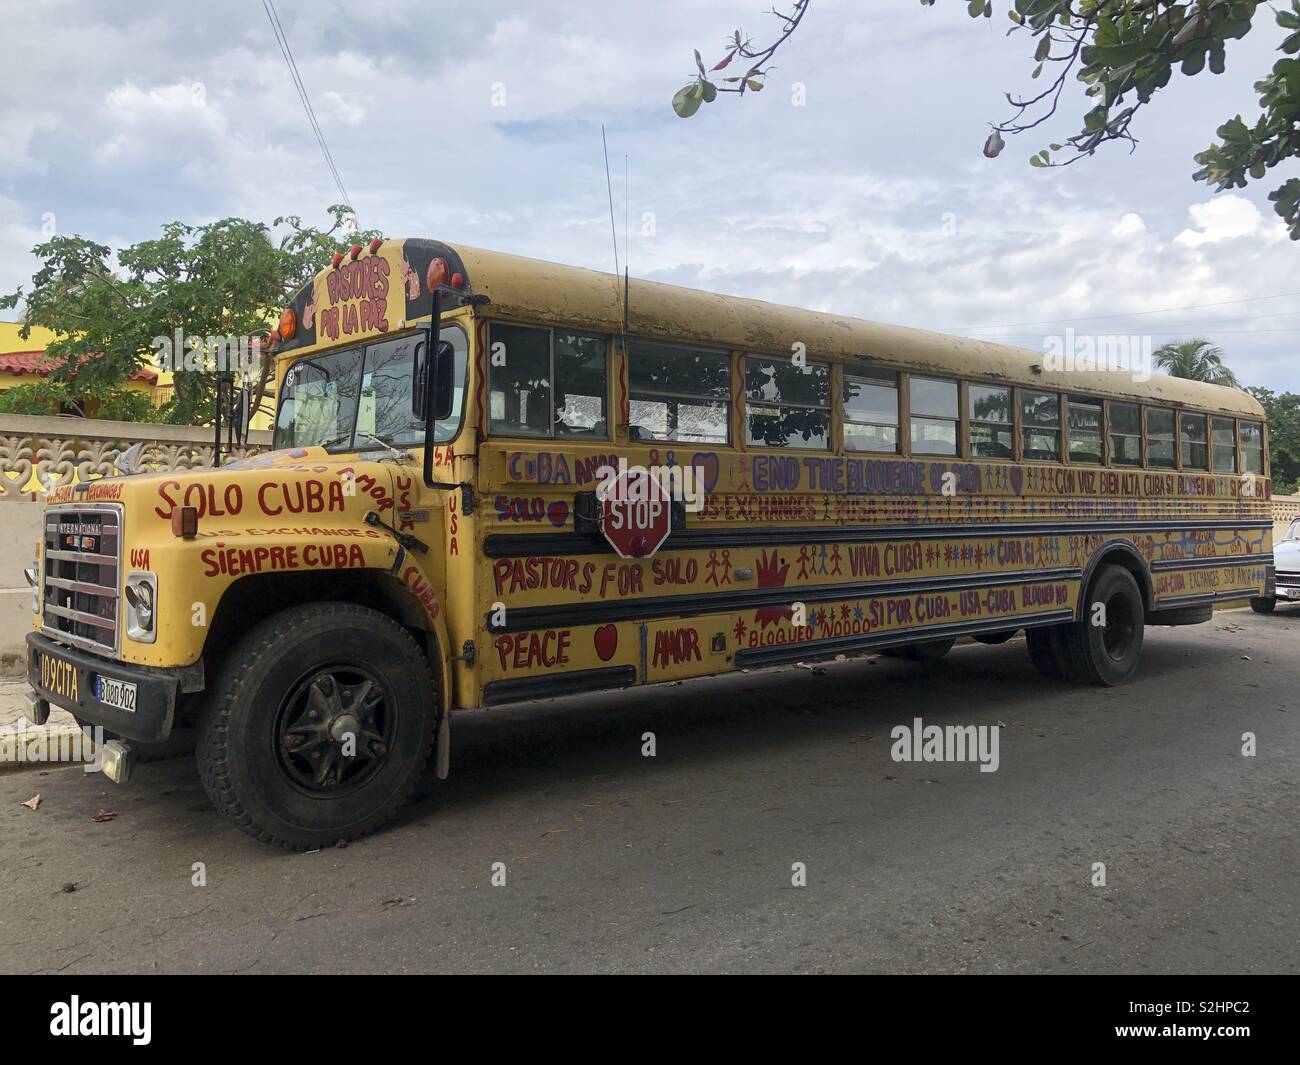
1180,327
1125,314
283,42
1218,332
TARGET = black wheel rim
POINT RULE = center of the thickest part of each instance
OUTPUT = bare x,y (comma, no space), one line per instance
334,730
1117,635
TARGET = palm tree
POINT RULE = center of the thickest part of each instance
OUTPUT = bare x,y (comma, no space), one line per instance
1196,360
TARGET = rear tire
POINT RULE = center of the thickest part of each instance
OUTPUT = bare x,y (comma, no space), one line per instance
1045,651
1263,604
319,726
1104,647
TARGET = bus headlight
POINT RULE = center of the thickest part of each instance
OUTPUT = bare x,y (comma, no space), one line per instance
141,602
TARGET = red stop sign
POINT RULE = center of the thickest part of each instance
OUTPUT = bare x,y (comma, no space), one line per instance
635,513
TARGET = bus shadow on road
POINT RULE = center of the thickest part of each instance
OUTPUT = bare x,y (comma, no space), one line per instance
547,744
716,723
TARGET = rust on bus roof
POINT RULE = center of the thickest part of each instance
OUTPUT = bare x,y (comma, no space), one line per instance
532,290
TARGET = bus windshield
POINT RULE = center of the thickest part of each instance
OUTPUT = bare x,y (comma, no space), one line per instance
345,400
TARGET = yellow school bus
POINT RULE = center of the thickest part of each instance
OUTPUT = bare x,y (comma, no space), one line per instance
498,479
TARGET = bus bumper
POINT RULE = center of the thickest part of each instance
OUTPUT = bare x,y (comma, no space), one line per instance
136,702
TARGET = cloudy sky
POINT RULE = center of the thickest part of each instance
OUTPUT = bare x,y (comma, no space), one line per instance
480,124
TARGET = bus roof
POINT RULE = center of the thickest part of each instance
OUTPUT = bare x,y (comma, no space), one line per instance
534,290
531,290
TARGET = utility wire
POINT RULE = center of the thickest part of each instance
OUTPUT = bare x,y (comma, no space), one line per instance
1124,314
1182,327
1217,332
283,41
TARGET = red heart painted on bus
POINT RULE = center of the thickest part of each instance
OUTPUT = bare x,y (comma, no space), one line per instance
706,462
1017,479
558,512
606,640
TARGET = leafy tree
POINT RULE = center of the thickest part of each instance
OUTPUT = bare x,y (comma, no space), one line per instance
56,397
1123,52
1283,413
705,89
227,278
1196,360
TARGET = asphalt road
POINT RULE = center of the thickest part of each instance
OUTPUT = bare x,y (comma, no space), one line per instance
683,862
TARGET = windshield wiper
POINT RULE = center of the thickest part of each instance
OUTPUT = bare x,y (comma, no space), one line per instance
396,453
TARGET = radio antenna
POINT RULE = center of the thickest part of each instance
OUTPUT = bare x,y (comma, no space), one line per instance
627,252
609,187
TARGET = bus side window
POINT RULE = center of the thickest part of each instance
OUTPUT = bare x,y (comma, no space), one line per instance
1160,438
787,404
1040,421
934,408
547,383
679,393
991,432
1223,445
581,362
1252,448
871,410
1125,433
519,376
1195,449
1086,424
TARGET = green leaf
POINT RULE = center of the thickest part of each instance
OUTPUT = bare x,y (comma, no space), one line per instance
686,101
709,91
753,85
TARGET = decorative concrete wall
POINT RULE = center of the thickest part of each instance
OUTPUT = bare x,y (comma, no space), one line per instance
37,454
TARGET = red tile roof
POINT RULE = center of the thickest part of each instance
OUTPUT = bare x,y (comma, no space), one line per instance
20,362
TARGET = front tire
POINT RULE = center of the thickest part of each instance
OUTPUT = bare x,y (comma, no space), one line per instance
1263,604
319,726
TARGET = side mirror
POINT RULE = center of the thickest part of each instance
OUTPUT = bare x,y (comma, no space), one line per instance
444,380
433,386
419,375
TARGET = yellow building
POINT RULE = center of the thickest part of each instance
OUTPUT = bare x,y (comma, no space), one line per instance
23,360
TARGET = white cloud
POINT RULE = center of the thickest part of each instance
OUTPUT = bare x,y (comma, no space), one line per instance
871,200
1129,225
1225,218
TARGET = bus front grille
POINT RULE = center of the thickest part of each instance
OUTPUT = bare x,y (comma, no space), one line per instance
79,577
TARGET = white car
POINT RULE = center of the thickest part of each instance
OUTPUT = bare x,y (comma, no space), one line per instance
1286,561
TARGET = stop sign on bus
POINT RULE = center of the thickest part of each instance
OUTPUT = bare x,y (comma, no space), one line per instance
635,513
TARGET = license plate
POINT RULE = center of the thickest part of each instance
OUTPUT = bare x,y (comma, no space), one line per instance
59,677
119,694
